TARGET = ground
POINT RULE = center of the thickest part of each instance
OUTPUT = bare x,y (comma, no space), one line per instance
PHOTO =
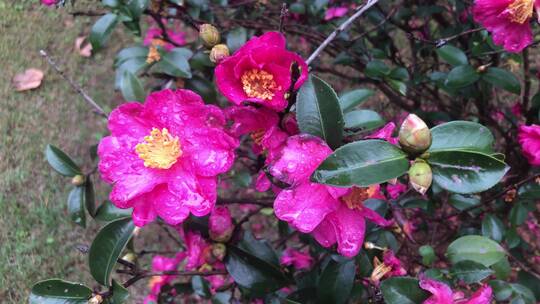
37,239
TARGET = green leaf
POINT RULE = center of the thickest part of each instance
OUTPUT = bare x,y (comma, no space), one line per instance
462,202
200,286
318,111
502,269
461,76
377,69
502,79
202,87
362,163
466,171
512,238
61,162
130,53
55,291
470,272
222,298
131,87
259,248
107,212
119,293
403,290
518,214
101,30
530,281
398,85
461,135
174,63
336,281
493,227
76,206
529,192
501,289
428,254
351,99
522,294
236,38
107,247
364,120
475,248
89,196
452,55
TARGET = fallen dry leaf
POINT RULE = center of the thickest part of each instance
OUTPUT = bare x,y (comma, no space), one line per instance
27,80
83,47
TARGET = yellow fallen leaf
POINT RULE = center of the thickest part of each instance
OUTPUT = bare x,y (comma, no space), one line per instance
27,80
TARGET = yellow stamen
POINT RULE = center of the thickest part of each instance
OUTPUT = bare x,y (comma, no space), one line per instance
160,150
258,136
356,198
520,11
259,84
154,280
380,270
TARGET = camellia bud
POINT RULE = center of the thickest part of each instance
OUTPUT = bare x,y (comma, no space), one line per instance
220,224
130,257
97,299
209,35
420,176
218,53
78,180
414,135
219,251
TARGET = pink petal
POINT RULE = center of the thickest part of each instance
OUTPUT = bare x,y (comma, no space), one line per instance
143,212
350,229
441,293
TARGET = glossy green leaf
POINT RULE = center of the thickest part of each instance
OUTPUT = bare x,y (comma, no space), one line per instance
221,298
236,38
336,281
518,214
502,269
119,293
101,30
502,79
364,120
529,192
462,202
202,87
452,55
501,289
89,196
61,162
428,254
76,206
512,238
461,135
530,281
466,171
362,163
200,286
174,63
260,248
377,69
107,212
403,290
398,85
55,291
131,87
522,294
130,53
493,227
352,99
462,76
475,248
107,247
318,111
470,272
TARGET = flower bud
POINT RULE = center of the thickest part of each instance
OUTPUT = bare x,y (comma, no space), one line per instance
220,224
219,251
218,53
414,135
78,180
209,35
130,257
97,299
420,176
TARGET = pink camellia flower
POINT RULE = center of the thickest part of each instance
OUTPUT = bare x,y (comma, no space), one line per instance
389,267
332,215
529,139
159,264
507,20
163,156
153,33
395,190
49,2
300,260
260,72
335,12
220,224
442,294
385,133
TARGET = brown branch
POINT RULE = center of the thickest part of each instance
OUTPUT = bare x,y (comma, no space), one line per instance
146,274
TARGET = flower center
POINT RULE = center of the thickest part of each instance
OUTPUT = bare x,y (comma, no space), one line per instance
160,150
258,136
259,84
520,11
356,198
380,270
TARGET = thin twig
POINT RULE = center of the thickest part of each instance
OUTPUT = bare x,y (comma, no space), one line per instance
75,86
360,11
282,16
268,202
146,274
526,80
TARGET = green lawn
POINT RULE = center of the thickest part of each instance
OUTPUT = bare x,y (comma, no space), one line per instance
37,240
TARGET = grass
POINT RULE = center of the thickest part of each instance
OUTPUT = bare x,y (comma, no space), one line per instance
37,239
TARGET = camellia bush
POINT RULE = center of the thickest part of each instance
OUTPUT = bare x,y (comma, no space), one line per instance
313,151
